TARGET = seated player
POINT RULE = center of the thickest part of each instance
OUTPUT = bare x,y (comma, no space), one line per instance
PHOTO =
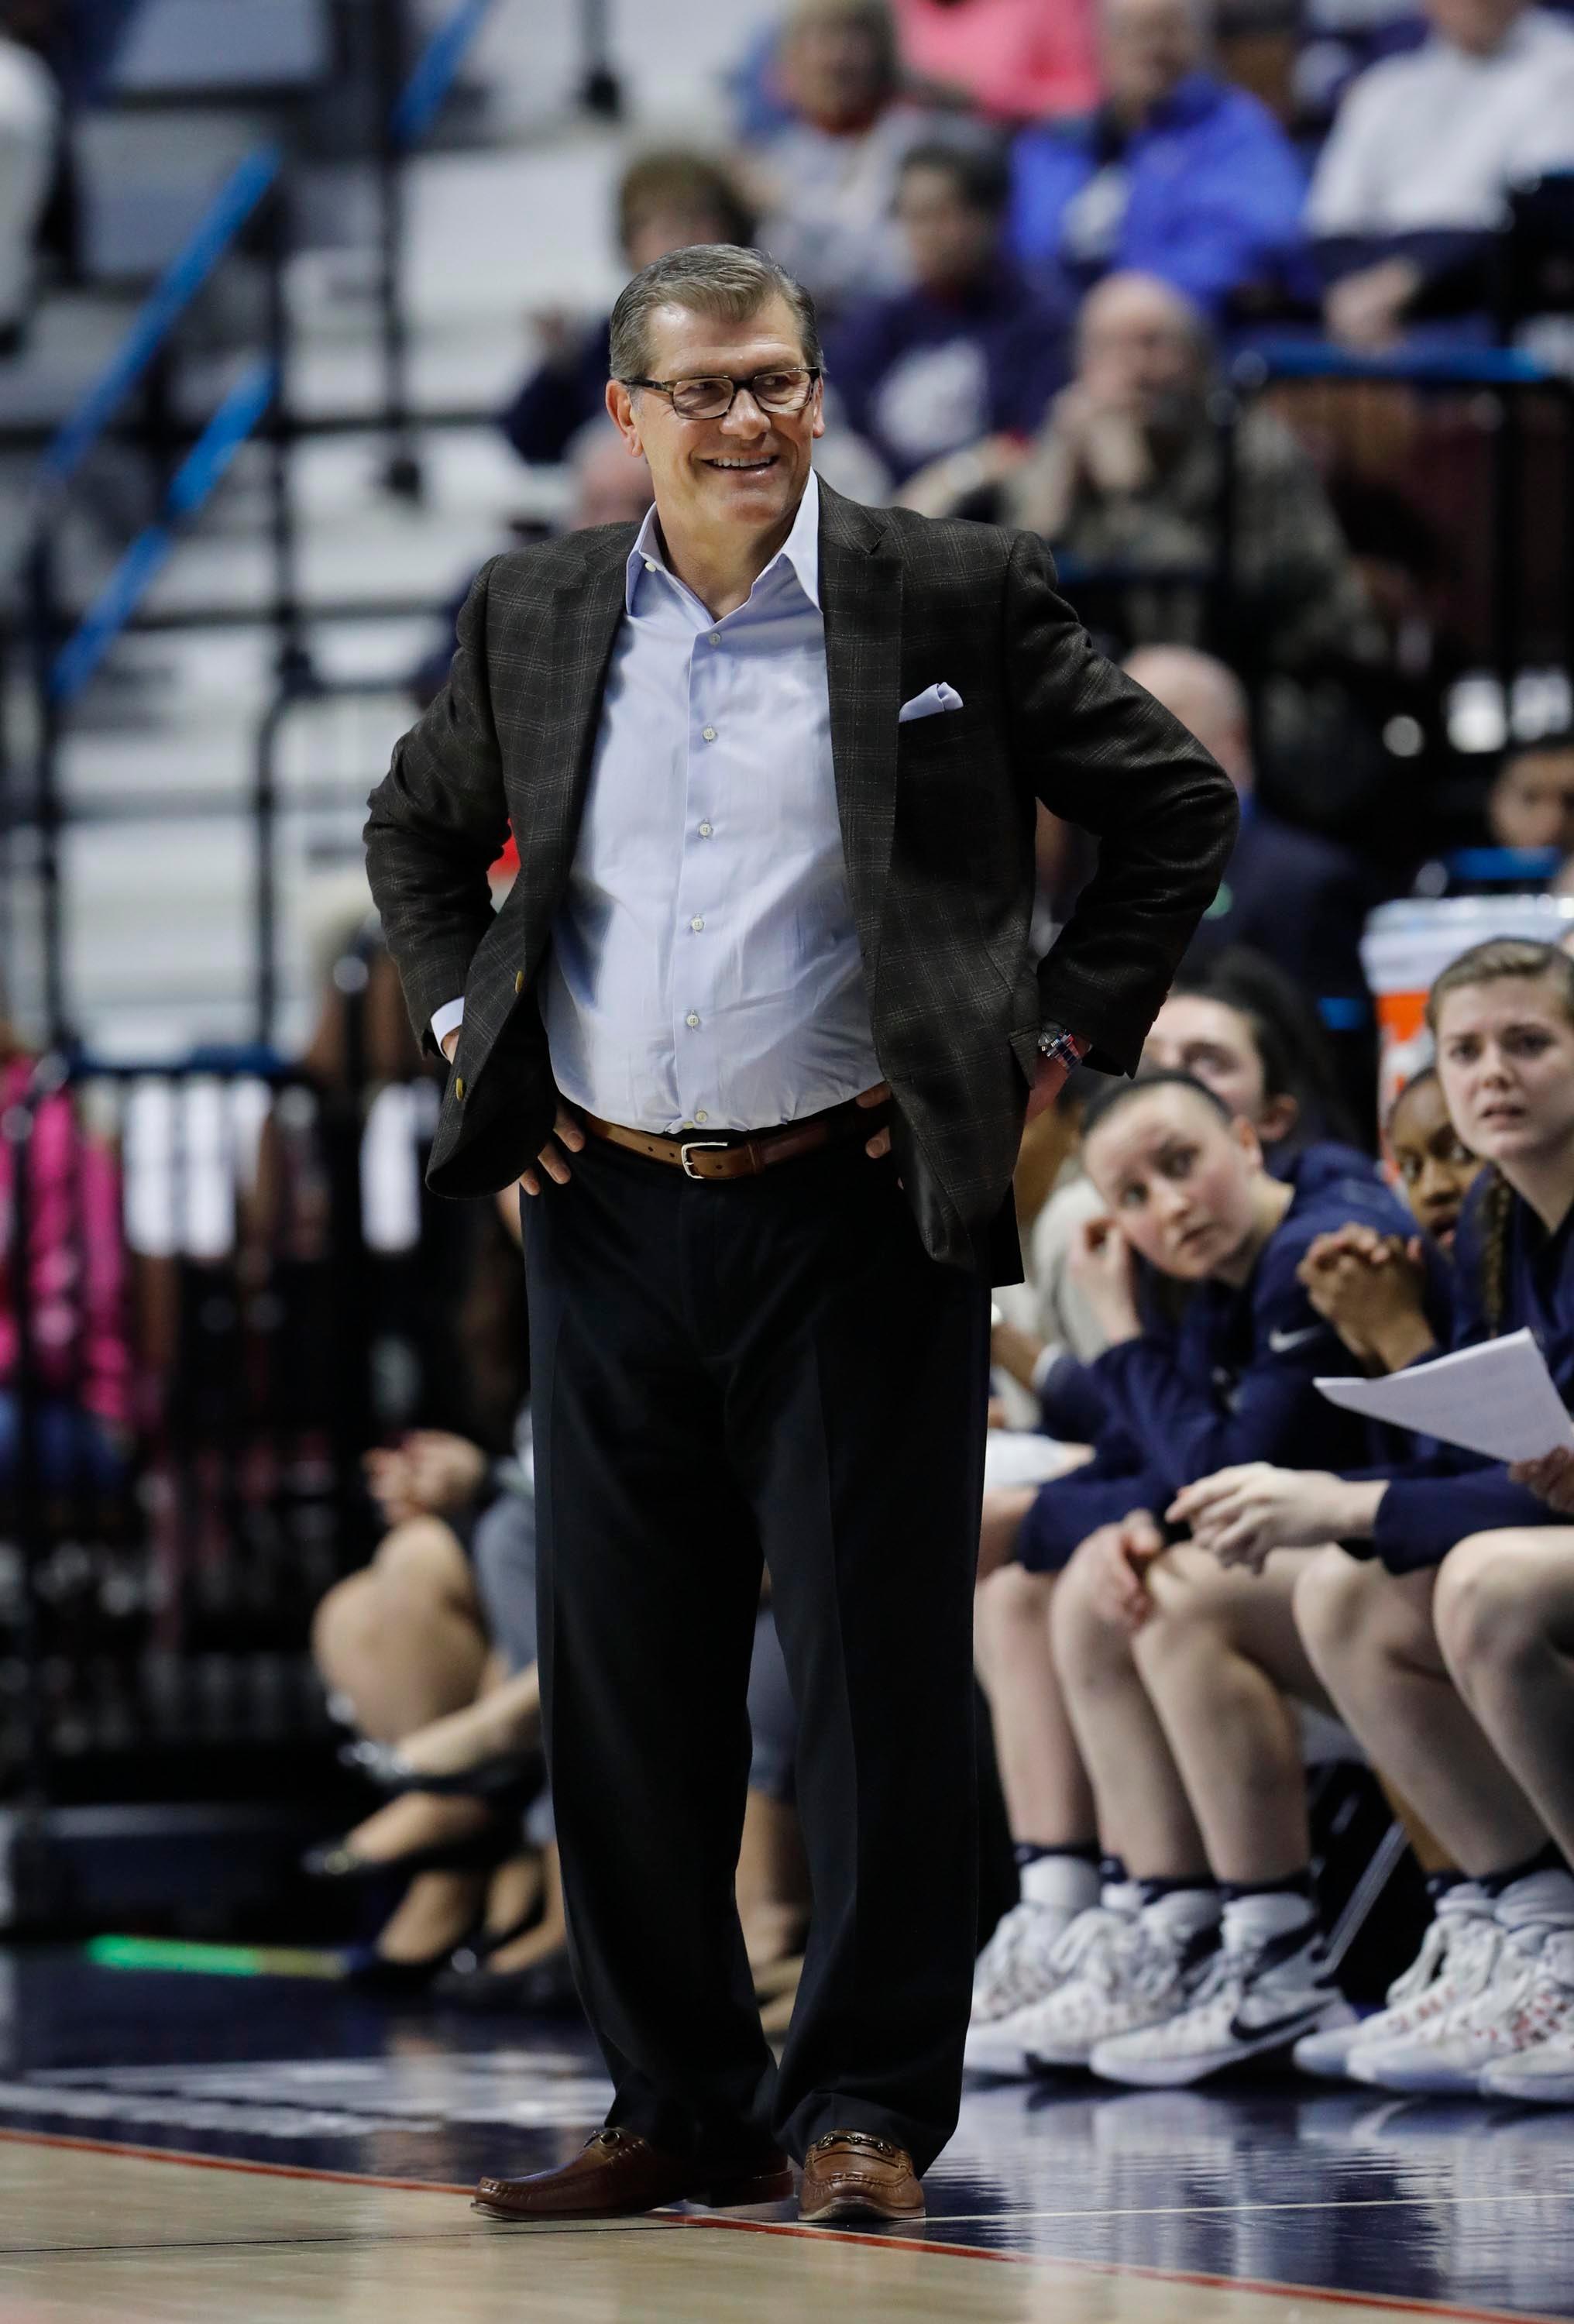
1395,1626
1371,1289
1186,1188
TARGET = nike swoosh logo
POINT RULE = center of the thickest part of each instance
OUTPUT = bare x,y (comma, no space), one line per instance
1298,2020
1281,1342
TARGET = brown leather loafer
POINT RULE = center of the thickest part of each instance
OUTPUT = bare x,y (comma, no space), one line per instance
851,2174
619,2174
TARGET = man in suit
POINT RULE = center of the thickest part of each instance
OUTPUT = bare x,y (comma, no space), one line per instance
757,1027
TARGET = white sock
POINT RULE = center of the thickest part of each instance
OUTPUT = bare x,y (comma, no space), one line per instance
1184,1912
1264,1914
1122,1896
1540,1897
1067,1884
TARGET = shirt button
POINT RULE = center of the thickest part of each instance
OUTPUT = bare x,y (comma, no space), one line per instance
649,565
709,733
704,830
696,924
691,1021
702,1115
714,638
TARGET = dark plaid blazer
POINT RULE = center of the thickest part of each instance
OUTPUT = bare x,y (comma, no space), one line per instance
937,825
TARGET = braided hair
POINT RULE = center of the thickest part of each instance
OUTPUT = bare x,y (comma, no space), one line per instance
1490,964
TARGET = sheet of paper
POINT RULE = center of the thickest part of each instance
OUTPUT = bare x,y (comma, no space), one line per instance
1497,1400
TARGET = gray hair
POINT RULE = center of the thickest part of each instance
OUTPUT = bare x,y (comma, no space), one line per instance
710,278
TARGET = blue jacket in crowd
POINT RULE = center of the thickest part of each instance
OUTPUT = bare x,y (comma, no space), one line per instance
919,375
1232,1382
1207,194
1441,1500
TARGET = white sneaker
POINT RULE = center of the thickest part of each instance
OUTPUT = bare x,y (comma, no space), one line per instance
1252,2000
994,2045
1453,1964
1009,1972
1528,1999
1139,1972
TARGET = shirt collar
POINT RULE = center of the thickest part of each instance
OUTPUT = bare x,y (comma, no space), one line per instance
800,550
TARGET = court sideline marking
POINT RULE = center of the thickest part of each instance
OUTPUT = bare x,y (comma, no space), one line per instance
1387,2303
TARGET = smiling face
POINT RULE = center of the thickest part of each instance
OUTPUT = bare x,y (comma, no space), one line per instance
1215,1045
1506,1059
1436,1168
746,472
1179,1181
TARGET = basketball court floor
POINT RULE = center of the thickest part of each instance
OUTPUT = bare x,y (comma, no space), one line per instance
182,2149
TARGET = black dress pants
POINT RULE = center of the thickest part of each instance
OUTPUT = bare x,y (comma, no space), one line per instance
767,1367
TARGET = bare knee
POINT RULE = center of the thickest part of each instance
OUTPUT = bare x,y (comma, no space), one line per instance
1490,1615
344,1627
1353,1612
1091,1646
1010,1606
422,1559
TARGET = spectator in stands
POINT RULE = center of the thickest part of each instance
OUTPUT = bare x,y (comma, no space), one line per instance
969,351
826,181
1299,900
1176,174
608,488
1386,1628
28,111
1184,1186
1129,472
668,200
1531,807
1012,60
1412,180
81,1359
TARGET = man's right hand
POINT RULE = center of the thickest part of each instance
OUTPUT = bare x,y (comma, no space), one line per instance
554,1162
565,1132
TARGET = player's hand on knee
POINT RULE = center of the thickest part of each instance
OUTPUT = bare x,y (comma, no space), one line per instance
1121,1555
552,1161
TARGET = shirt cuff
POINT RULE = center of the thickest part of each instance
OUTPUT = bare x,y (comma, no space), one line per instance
446,1019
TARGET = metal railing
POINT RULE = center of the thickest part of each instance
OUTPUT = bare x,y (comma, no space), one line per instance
221,1291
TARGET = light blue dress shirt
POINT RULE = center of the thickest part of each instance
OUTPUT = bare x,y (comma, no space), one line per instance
704,970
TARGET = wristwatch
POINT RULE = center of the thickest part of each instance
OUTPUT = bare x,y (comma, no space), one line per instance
1061,1048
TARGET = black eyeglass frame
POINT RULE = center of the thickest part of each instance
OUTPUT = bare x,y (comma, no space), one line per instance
814,372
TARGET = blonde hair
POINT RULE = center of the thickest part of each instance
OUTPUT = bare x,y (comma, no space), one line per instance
1491,963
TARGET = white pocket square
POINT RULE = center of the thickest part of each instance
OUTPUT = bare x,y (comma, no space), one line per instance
933,699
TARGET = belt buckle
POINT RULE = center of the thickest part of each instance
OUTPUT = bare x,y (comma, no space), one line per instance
699,1146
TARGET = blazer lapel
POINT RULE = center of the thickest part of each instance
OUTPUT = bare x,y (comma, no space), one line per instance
580,622
860,590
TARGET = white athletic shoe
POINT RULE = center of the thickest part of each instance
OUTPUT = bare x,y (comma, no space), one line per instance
1251,2001
1010,1970
1141,1972
1454,1963
994,2046
1528,1999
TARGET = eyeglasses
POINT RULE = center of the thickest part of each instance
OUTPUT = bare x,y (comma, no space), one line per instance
785,391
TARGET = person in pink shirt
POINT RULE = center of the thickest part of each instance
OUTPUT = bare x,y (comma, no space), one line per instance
81,1347
1014,60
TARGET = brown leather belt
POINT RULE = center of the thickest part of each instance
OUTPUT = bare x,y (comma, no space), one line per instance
740,1155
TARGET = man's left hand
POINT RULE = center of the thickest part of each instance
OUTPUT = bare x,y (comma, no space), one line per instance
1047,1085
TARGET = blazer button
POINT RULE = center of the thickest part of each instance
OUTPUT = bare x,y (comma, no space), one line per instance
459,1085
519,980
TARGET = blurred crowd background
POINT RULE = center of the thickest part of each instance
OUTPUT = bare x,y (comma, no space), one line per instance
1261,313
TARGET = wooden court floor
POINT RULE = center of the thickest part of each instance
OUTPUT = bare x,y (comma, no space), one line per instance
197,2150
